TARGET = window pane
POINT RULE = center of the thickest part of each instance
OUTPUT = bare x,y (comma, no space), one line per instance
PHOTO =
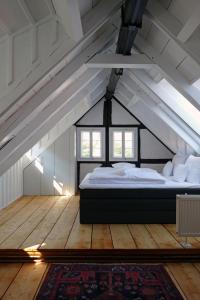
128,144
117,144
96,144
85,144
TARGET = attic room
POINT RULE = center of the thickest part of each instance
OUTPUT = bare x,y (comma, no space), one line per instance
100,149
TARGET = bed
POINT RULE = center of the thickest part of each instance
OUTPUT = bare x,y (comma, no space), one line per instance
137,202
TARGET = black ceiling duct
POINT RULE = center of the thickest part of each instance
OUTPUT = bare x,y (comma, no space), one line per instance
131,15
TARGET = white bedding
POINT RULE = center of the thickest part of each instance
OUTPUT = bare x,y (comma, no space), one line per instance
127,176
86,184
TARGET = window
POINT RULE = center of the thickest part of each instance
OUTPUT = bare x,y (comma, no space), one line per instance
90,143
123,144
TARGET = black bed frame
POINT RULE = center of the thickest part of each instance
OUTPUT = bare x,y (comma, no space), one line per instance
130,206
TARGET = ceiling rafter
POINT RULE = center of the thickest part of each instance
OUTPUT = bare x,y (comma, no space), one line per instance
26,11
173,75
155,14
149,98
50,7
190,26
69,15
150,87
49,101
4,27
137,61
48,117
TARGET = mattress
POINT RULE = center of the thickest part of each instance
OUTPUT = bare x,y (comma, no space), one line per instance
86,184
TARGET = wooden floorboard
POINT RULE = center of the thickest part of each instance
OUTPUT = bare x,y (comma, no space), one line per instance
121,236
23,281
39,234
26,283
12,209
188,278
101,237
162,237
80,237
142,237
53,223
58,236
7,274
22,216
21,234
48,222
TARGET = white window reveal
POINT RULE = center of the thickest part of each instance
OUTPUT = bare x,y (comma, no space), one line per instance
123,144
90,144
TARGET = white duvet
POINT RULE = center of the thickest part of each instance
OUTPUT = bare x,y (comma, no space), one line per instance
127,175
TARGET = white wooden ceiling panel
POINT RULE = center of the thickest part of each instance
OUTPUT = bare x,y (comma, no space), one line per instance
163,16
194,43
38,9
182,9
85,6
157,38
190,69
173,53
21,58
165,3
146,27
12,15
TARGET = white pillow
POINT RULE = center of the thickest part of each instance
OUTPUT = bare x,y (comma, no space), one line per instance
194,175
193,162
180,172
178,159
167,170
123,165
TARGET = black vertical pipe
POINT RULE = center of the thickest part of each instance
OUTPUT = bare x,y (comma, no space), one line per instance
131,15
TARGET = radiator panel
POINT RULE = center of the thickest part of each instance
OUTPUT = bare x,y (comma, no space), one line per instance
188,215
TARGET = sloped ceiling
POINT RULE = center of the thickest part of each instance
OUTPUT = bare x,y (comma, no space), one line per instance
170,37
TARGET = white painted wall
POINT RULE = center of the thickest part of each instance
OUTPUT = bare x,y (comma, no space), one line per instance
87,168
53,172
11,184
94,116
121,116
151,148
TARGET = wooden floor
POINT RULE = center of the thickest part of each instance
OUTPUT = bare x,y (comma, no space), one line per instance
13,276
53,223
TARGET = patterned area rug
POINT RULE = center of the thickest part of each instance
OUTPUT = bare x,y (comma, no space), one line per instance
106,282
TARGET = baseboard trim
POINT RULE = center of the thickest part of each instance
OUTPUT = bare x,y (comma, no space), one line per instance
100,256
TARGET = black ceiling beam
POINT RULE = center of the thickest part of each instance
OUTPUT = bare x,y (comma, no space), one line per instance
131,15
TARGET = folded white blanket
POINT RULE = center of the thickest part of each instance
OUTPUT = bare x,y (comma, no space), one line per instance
130,181
127,176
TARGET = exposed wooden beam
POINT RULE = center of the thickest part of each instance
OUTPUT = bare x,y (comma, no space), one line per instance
102,28
48,117
4,27
69,15
50,7
144,87
26,11
190,26
156,11
170,26
47,93
10,64
135,61
100,14
34,45
170,72
55,32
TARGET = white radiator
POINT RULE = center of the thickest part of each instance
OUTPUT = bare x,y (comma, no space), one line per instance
188,215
